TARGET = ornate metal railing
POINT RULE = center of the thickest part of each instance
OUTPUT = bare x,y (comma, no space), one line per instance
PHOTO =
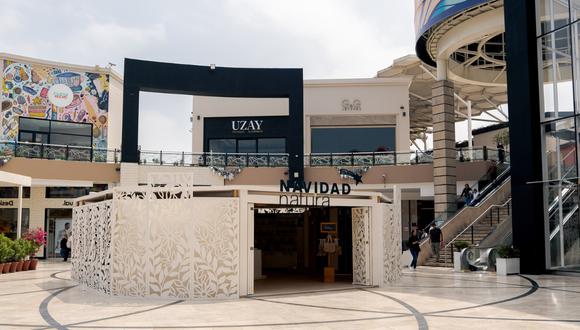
56,151
213,159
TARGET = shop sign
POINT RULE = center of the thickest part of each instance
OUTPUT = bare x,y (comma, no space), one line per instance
247,126
319,193
60,95
6,203
68,203
348,106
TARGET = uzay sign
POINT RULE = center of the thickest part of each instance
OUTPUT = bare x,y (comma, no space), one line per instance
247,126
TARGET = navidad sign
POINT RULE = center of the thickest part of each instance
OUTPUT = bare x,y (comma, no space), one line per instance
301,193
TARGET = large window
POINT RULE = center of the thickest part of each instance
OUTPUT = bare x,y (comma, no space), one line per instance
73,192
352,139
265,145
55,132
12,192
9,221
558,40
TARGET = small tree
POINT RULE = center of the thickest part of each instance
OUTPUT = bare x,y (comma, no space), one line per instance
502,137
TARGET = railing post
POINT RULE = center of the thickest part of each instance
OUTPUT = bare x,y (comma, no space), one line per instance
416,157
247,160
42,151
161,157
226,160
373,158
484,152
66,153
183,158
351,159
331,160
472,239
92,154
115,155
268,160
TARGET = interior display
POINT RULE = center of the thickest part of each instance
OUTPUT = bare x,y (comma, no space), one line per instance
9,220
328,227
352,139
246,145
55,132
35,91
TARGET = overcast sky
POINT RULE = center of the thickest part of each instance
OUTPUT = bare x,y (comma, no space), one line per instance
328,38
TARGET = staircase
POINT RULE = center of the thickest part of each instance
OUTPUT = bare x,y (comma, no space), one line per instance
474,234
490,211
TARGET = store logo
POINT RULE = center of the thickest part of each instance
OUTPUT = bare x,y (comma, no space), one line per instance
60,95
351,106
67,203
298,188
6,203
247,126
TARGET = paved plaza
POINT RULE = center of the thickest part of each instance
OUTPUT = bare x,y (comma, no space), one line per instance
428,298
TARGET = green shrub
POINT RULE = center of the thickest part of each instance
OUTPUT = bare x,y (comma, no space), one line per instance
21,247
507,252
460,245
6,249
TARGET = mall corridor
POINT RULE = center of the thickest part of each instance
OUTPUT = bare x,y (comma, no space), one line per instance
428,298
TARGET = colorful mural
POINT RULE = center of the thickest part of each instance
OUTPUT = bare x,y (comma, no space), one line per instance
54,93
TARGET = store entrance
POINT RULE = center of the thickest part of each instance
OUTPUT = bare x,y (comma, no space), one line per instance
302,249
55,221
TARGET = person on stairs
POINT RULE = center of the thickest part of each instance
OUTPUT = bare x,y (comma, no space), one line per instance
414,248
436,237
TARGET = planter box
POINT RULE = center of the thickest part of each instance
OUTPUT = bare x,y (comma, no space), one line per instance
457,261
507,266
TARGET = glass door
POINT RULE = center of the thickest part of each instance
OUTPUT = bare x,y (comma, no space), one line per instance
56,220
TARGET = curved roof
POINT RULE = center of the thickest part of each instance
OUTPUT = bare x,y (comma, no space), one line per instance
423,76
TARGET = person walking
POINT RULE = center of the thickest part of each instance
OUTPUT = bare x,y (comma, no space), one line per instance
414,247
475,196
65,242
500,153
466,194
436,238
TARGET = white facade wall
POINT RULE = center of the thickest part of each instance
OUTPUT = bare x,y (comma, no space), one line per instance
383,102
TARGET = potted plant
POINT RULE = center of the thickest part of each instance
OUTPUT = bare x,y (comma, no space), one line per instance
508,261
28,250
459,246
5,253
37,239
19,253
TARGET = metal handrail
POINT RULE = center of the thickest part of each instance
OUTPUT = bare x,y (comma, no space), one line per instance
483,195
477,219
46,151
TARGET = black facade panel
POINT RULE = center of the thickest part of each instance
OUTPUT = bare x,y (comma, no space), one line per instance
525,135
172,78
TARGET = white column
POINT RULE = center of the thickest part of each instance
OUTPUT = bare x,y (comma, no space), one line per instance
469,129
19,221
441,69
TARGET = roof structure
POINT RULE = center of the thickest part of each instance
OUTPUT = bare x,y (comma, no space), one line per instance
483,98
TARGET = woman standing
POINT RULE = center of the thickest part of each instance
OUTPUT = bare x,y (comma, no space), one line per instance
413,245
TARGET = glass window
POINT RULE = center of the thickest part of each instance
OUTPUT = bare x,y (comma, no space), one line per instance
71,140
272,145
353,139
556,73
222,145
9,221
36,125
73,192
553,14
71,128
560,154
246,146
12,192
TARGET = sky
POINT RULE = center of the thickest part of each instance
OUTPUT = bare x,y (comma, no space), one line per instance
327,38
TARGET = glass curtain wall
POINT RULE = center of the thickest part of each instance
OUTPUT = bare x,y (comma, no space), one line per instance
558,24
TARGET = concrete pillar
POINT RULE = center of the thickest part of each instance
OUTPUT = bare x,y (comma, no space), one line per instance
444,153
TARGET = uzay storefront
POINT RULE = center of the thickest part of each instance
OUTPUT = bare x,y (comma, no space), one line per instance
227,242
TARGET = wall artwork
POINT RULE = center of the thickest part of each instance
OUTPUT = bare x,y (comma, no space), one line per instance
54,93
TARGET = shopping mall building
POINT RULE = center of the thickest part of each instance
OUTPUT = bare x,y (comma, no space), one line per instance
309,158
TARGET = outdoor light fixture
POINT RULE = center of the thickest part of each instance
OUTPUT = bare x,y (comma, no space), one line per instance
212,66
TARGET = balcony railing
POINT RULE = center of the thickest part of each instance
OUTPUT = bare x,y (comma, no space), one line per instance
213,159
56,151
